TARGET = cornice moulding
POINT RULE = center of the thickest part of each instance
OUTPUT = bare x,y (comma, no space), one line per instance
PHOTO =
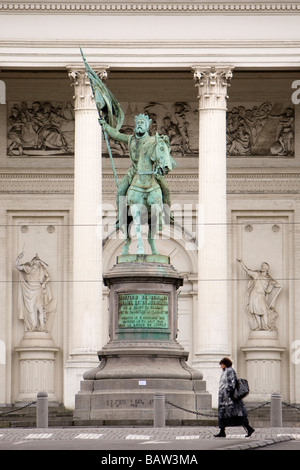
184,174
141,7
125,44
252,182
153,54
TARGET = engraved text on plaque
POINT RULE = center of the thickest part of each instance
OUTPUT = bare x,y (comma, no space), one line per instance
143,310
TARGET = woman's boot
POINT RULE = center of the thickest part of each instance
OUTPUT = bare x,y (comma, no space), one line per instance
221,433
250,431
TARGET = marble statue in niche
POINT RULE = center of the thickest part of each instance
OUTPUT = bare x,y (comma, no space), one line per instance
259,307
263,130
40,129
36,303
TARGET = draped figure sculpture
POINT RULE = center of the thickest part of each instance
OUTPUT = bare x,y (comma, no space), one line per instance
260,309
36,302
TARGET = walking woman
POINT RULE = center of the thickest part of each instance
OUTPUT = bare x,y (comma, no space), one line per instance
230,412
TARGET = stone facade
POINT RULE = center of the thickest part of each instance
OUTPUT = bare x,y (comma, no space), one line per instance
235,191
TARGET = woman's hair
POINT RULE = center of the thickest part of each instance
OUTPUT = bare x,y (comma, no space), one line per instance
226,361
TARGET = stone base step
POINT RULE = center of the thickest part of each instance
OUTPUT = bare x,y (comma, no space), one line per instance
59,416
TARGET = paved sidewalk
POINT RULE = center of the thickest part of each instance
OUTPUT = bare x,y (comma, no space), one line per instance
202,437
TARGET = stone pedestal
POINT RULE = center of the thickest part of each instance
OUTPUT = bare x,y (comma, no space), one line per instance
263,357
37,366
143,355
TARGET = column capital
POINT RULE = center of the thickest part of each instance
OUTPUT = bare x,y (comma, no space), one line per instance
83,93
212,83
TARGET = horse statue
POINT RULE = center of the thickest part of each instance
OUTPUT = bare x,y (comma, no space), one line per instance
145,195
143,186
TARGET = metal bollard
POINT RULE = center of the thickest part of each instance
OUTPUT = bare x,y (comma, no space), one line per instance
276,411
42,410
159,410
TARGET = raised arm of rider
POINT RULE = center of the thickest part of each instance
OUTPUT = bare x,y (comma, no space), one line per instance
113,133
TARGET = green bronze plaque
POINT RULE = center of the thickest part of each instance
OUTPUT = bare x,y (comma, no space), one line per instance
143,311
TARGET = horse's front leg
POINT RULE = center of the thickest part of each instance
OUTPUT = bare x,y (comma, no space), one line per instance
154,227
126,245
136,215
151,241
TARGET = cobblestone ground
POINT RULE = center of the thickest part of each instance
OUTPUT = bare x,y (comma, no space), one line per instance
235,437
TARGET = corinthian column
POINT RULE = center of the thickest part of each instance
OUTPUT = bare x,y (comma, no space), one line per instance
86,317
213,329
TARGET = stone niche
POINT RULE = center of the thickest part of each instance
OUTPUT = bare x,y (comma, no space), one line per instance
264,238
143,355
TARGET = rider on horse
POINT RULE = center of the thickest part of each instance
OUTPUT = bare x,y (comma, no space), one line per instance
139,144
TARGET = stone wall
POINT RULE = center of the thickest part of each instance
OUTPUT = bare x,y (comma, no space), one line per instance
36,196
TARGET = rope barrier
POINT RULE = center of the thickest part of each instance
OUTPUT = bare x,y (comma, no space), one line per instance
201,413
215,415
191,411
291,405
17,409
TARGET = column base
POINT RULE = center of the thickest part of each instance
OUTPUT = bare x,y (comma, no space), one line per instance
209,364
263,357
75,368
37,367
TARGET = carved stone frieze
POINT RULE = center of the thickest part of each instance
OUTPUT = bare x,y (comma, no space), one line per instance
262,183
40,128
265,129
41,183
46,129
178,120
237,183
139,7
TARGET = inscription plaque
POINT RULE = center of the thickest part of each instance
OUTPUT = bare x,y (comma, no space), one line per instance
143,311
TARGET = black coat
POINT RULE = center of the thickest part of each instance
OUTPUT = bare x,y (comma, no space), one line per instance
230,413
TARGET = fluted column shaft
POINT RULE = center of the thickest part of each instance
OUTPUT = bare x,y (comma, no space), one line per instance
86,319
213,329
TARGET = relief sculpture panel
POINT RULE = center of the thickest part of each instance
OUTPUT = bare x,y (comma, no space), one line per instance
46,129
40,129
179,121
254,130
260,130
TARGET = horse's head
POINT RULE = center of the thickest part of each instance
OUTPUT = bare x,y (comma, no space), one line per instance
163,160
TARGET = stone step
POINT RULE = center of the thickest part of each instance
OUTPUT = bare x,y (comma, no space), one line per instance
62,417
58,416
261,416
